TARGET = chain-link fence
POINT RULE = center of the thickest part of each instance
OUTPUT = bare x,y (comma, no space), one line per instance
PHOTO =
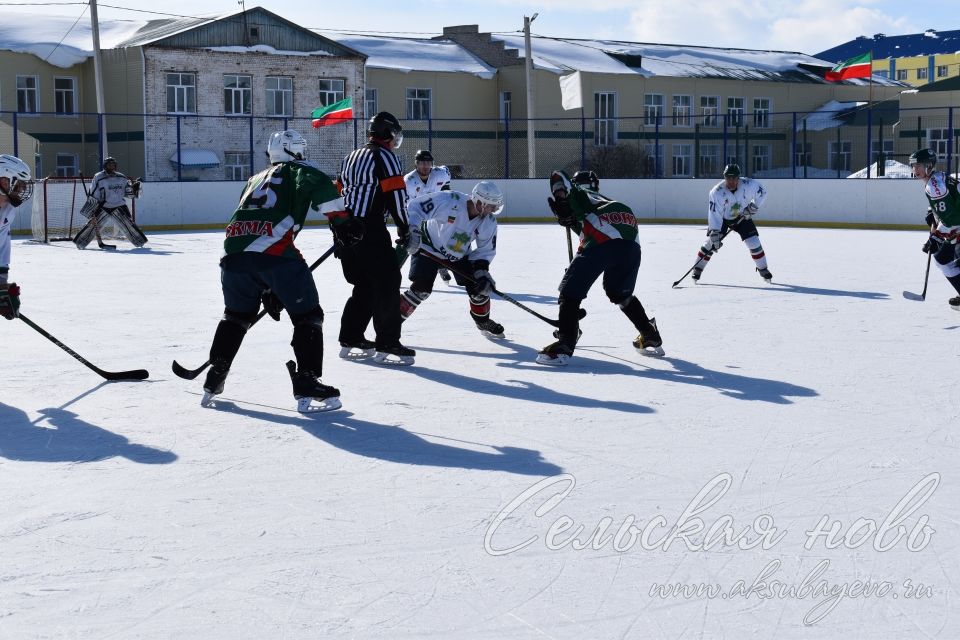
860,142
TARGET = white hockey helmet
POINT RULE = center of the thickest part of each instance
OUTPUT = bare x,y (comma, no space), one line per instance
285,146
20,186
487,193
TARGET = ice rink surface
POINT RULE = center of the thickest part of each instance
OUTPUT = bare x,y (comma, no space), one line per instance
789,470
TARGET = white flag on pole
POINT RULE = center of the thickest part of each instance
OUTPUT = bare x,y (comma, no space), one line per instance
571,93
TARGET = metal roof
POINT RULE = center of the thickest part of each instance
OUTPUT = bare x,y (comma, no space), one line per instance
929,42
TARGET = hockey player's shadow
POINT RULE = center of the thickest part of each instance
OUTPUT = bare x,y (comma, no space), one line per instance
395,444
795,288
64,437
521,297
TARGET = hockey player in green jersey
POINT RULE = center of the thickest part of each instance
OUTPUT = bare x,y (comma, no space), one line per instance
943,217
261,263
609,246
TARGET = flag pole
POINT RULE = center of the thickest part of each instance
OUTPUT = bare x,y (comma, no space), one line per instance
870,98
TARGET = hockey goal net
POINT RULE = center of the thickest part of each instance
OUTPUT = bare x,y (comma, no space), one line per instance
57,206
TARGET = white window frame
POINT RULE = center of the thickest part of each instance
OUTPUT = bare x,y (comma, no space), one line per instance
184,96
506,105
943,70
605,106
371,102
846,153
901,74
67,94
275,91
735,113
653,158
68,170
922,73
652,108
682,110
27,95
683,159
762,108
237,99
332,90
710,112
888,147
239,169
709,160
937,140
419,103
803,154
761,158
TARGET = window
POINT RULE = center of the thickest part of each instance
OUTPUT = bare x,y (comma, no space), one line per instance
605,119
653,165
761,113
839,155
901,74
67,164
943,71
735,112
236,95
682,159
236,164
682,111
652,108
279,96
181,93
804,154
710,160
28,100
506,105
937,140
760,158
887,148
922,73
65,96
418,104
710,109
371,102
884,73
331,90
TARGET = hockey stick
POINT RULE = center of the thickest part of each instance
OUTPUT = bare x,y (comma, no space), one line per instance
709,253
507,297
569,245
926,279
190,374
136,374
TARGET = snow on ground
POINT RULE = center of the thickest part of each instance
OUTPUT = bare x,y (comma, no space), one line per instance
441,501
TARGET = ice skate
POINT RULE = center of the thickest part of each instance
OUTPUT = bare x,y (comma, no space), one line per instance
649,342
765,274
954,303
357,350
396,354
557,354
490,329
213,385
696,275
311,394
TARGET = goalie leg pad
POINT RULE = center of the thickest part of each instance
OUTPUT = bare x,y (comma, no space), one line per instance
85,235
121,215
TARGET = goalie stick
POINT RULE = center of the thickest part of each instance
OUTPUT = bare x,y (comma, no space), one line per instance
507,297
189,374
135,374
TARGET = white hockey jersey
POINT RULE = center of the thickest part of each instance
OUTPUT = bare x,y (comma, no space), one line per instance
109,188
439,178
447,230
726,204
8,213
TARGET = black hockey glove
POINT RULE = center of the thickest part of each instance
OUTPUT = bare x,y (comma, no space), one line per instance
931,219
271,304
9,300
561,209
932,245
349,232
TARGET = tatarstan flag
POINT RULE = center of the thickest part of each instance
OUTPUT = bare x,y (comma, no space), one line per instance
333,114
856,67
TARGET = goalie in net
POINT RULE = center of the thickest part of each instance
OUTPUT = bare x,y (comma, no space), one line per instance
106,205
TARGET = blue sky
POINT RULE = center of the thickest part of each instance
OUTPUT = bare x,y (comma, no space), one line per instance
808,26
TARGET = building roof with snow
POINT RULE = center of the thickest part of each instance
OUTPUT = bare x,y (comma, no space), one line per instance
416,54
930,42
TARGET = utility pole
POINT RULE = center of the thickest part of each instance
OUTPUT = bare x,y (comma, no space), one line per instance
531,126
98,75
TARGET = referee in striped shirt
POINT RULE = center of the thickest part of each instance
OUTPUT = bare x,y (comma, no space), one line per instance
373,186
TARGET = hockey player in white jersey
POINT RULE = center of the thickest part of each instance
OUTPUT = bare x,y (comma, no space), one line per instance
733,203
427,178
107,203
16,187
462,230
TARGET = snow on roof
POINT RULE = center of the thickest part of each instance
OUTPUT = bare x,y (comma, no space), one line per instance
196,158
40,37
891,169
265,48
410,54
827,115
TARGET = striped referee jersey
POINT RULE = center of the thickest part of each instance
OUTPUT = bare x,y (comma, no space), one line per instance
373,185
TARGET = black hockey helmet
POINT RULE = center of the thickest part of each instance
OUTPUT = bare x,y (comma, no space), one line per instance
108,160
732,170
923,156
385,126
423,155
588,179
